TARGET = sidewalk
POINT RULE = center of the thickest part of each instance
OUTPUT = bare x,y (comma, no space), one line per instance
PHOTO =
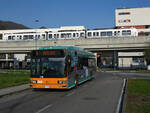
10,90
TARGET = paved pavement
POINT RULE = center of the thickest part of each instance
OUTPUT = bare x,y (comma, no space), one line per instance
14,89
99,95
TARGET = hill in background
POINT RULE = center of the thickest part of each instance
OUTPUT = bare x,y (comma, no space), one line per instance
8,25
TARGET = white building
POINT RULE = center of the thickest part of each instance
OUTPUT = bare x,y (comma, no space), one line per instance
132,17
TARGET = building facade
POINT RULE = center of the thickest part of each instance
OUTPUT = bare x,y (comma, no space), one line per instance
132,18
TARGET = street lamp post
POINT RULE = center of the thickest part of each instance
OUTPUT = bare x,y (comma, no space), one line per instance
115,56
36,35
114,59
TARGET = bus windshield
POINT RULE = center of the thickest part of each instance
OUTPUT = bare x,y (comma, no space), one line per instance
48,67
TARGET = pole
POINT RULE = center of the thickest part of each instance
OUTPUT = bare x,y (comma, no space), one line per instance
114,59
36,36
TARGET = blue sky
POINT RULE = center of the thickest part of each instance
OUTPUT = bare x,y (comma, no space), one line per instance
56,13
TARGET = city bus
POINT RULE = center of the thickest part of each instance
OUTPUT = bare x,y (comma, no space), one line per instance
61,67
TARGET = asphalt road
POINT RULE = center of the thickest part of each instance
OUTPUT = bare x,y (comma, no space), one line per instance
100,95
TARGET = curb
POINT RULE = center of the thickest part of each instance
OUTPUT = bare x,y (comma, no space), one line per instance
13,89
121,98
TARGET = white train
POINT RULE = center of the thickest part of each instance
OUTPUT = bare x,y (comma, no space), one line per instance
72,32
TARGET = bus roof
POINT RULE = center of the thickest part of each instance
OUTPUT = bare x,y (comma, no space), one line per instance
68,48
61,47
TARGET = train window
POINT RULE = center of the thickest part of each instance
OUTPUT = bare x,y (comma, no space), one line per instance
39,36
74,35
13,37
94,34
50,35
77,34
109,33
20,37
128,32
31,36
103,33
89,34
116,33
9,37
62,35
43,36
69,34
1,36
25,37
97,33
54,35
57,35
81,34
65,35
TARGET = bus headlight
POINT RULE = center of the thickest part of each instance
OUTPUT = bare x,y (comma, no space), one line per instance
33,81
62,81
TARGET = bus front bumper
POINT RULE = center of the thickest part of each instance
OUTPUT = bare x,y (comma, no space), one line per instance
49,86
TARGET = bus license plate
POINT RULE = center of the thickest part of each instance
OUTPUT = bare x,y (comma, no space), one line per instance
47,86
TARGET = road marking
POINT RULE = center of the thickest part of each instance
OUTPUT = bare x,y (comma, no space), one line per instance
121,96
70,94
85,85
46,107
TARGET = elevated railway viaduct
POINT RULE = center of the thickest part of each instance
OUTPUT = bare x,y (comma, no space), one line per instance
107,49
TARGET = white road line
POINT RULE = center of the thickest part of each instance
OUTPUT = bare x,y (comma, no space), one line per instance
120,98
85,85
46,107
70,94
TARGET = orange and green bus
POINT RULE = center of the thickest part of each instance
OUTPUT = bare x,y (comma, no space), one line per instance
61,67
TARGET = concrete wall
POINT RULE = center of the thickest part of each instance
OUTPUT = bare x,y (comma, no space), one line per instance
97,44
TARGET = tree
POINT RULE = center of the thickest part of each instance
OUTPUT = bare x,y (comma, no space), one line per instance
43,27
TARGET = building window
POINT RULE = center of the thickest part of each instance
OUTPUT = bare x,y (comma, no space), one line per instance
10,56
138,60
2,56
